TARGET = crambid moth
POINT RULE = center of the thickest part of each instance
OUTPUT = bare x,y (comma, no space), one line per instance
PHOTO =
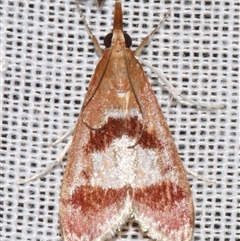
123,162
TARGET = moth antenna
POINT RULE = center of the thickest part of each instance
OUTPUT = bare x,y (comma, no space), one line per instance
100,53
138,140
138,103
87,101
92,128
85,104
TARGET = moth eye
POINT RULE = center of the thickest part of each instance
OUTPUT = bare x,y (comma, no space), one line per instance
128,40
108,40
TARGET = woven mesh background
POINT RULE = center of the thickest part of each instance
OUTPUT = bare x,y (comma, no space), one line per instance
47,62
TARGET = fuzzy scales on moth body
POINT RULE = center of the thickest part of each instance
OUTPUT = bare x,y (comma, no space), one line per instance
123,162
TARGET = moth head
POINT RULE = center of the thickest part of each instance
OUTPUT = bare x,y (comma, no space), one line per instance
108,40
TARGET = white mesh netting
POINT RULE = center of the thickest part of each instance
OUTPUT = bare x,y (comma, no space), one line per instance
47,62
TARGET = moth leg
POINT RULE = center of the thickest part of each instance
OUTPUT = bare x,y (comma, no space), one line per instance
149,37
91,35
62,138
200,177
3,65
50,167
175,92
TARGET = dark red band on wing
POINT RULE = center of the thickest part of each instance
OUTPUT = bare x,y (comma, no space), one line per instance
115,128
89,210
93,200
160,196
168,205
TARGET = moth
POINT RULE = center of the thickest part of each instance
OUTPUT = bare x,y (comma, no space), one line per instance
123,162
